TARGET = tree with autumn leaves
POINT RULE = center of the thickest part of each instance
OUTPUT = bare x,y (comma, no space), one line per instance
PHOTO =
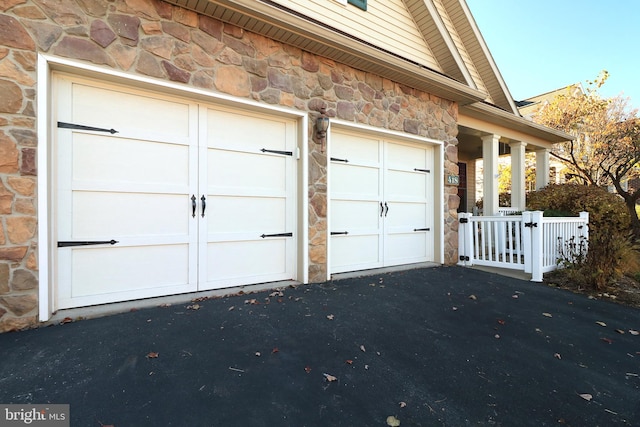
606,148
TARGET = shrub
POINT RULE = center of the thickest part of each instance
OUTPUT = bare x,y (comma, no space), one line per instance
609,228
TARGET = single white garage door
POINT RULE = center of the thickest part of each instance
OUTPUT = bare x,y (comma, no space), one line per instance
382,204
158,195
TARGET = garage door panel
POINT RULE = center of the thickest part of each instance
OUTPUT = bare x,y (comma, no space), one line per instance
242,261
239,171
246,214
406,248
356,149
112,214
400,156
408,215
247,132
355,181
405,185
351,216
113,270
101,158
129,112
351,252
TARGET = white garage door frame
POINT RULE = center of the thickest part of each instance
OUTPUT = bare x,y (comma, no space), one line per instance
46,188
438,182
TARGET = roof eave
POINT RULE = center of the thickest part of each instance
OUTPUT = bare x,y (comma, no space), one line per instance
494,115
269,18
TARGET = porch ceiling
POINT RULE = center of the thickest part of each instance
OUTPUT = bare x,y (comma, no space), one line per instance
275,21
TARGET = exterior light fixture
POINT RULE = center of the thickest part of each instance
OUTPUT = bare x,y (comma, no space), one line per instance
322,125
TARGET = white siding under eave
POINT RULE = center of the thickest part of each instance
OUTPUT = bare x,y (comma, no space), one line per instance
386,24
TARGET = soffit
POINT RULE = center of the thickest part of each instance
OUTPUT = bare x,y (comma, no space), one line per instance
267,18
491,114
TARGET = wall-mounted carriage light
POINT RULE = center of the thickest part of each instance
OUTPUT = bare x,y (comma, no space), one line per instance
322,125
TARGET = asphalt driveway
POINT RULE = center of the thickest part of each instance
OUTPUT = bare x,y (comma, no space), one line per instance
437,346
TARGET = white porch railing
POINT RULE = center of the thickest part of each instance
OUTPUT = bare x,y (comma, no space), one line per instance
528,242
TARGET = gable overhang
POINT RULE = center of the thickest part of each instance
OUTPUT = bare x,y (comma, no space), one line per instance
277,22
514,127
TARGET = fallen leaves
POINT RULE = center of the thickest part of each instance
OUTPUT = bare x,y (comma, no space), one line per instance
307,369
153,355
586,396
547,314
634,332
473,297
607,340
393,421
330,317
403,404
193,307
363,349
330,378
275,350
601,324
557,356
349,362
251,301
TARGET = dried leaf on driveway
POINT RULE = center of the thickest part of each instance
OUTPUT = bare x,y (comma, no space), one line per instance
152,355
634,332
193,307
557,356
586,396
607,340
547,314
362,348
330,317
601,324
620,331
393,421
473,297
403,404
330,378
307,369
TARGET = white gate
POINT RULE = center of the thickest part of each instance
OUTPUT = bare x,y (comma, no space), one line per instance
528,242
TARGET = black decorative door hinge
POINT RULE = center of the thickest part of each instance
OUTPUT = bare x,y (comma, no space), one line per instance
530,224
277,235
464,220
284,153
82,127
464,258
87,243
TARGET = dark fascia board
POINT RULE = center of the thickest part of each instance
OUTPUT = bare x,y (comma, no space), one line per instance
495,115
336,43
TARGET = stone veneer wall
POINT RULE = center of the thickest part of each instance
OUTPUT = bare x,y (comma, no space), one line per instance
159,40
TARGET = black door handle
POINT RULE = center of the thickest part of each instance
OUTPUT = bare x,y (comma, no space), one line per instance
204,204
386,209
193,205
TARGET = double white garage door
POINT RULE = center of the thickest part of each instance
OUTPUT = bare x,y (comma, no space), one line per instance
382,202
157,195
184,197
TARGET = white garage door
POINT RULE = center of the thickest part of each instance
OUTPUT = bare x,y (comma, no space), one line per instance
175,199
381,202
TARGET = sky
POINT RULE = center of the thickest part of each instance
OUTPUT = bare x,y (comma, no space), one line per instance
543,45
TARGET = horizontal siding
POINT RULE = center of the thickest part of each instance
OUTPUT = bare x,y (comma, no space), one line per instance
476,74
386,24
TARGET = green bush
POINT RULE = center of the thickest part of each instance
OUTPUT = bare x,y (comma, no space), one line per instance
609,229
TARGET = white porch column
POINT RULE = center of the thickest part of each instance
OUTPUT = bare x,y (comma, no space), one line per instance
490,146
542,168
518,187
